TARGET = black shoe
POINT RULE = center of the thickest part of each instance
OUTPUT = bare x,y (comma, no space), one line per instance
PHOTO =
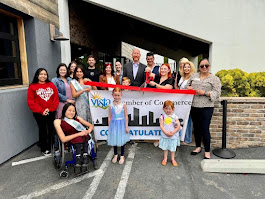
206,158
78,161
195,153
38,144
85,160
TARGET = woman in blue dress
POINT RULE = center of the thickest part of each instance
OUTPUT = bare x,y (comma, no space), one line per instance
118,133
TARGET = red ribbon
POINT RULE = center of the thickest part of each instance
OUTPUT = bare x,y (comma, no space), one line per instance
135,88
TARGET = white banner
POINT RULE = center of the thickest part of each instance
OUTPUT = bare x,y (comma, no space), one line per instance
144,111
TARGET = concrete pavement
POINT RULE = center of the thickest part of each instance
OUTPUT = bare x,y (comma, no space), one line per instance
142,176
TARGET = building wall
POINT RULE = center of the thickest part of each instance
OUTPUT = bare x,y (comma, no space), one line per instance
18,127
41,51
44,10
90,33
233,28
79,34
245,123
63,11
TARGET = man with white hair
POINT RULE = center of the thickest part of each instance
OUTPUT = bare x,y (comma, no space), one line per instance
134,70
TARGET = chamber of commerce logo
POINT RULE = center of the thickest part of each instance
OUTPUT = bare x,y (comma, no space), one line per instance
99,102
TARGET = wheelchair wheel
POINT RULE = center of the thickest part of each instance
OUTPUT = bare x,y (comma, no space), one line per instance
64,174
58,153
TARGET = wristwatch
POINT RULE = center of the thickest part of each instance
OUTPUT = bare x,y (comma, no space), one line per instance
205,93
155,85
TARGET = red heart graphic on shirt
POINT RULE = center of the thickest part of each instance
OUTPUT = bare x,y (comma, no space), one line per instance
45,94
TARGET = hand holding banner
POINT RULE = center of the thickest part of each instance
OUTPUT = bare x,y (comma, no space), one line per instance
144,109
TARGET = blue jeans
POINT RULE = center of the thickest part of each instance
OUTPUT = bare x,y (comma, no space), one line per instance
188,135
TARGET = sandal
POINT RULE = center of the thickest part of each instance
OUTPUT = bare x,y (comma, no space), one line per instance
121,160
114,159
164,162
174,163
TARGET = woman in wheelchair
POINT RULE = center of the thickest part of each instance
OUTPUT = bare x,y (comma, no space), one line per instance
70,128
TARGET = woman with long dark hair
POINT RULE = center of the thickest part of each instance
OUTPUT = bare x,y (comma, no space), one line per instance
43,102
208,90
62,83
72,128
108,76
71,68
80,93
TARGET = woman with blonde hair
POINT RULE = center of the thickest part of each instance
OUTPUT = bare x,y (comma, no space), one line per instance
181,64
186,72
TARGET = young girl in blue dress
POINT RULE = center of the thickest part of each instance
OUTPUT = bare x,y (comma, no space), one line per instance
170,127
118,133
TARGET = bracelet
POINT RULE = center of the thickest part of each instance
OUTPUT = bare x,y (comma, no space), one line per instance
205,93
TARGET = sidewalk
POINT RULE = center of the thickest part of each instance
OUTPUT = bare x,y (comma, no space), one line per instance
147,178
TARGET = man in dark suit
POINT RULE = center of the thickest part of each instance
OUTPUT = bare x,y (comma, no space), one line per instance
135,71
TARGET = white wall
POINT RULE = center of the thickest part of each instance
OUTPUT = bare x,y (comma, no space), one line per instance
235,28
63,11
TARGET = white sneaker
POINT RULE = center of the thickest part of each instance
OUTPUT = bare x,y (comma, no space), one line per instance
47,153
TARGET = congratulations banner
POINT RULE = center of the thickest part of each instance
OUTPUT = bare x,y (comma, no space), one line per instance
144,111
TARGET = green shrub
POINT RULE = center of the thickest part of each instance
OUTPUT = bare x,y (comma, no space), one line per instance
237,83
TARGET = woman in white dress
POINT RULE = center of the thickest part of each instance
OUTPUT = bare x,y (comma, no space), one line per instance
186,72
80,93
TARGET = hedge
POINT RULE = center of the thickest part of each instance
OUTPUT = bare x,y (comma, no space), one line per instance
237,83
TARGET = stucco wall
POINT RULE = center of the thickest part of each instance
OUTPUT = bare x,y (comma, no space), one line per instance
18,129
234,28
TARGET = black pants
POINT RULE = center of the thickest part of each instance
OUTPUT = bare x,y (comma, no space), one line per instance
46,129
201,118
116,150
79,145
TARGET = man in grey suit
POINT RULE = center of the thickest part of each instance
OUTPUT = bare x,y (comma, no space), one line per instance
135,71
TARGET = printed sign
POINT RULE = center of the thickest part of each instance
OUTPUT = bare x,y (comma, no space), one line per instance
144,111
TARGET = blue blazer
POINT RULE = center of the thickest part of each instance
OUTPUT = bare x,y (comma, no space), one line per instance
59,84
140,76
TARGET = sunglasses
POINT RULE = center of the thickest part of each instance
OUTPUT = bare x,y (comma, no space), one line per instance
205,65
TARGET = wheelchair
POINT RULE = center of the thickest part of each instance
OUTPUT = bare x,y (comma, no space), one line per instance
59,153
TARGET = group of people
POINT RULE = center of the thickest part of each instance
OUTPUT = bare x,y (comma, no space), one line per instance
66,99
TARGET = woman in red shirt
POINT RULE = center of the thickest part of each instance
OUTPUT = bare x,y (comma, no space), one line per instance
43,101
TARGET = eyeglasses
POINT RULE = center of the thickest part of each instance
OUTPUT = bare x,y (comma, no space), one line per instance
205,65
